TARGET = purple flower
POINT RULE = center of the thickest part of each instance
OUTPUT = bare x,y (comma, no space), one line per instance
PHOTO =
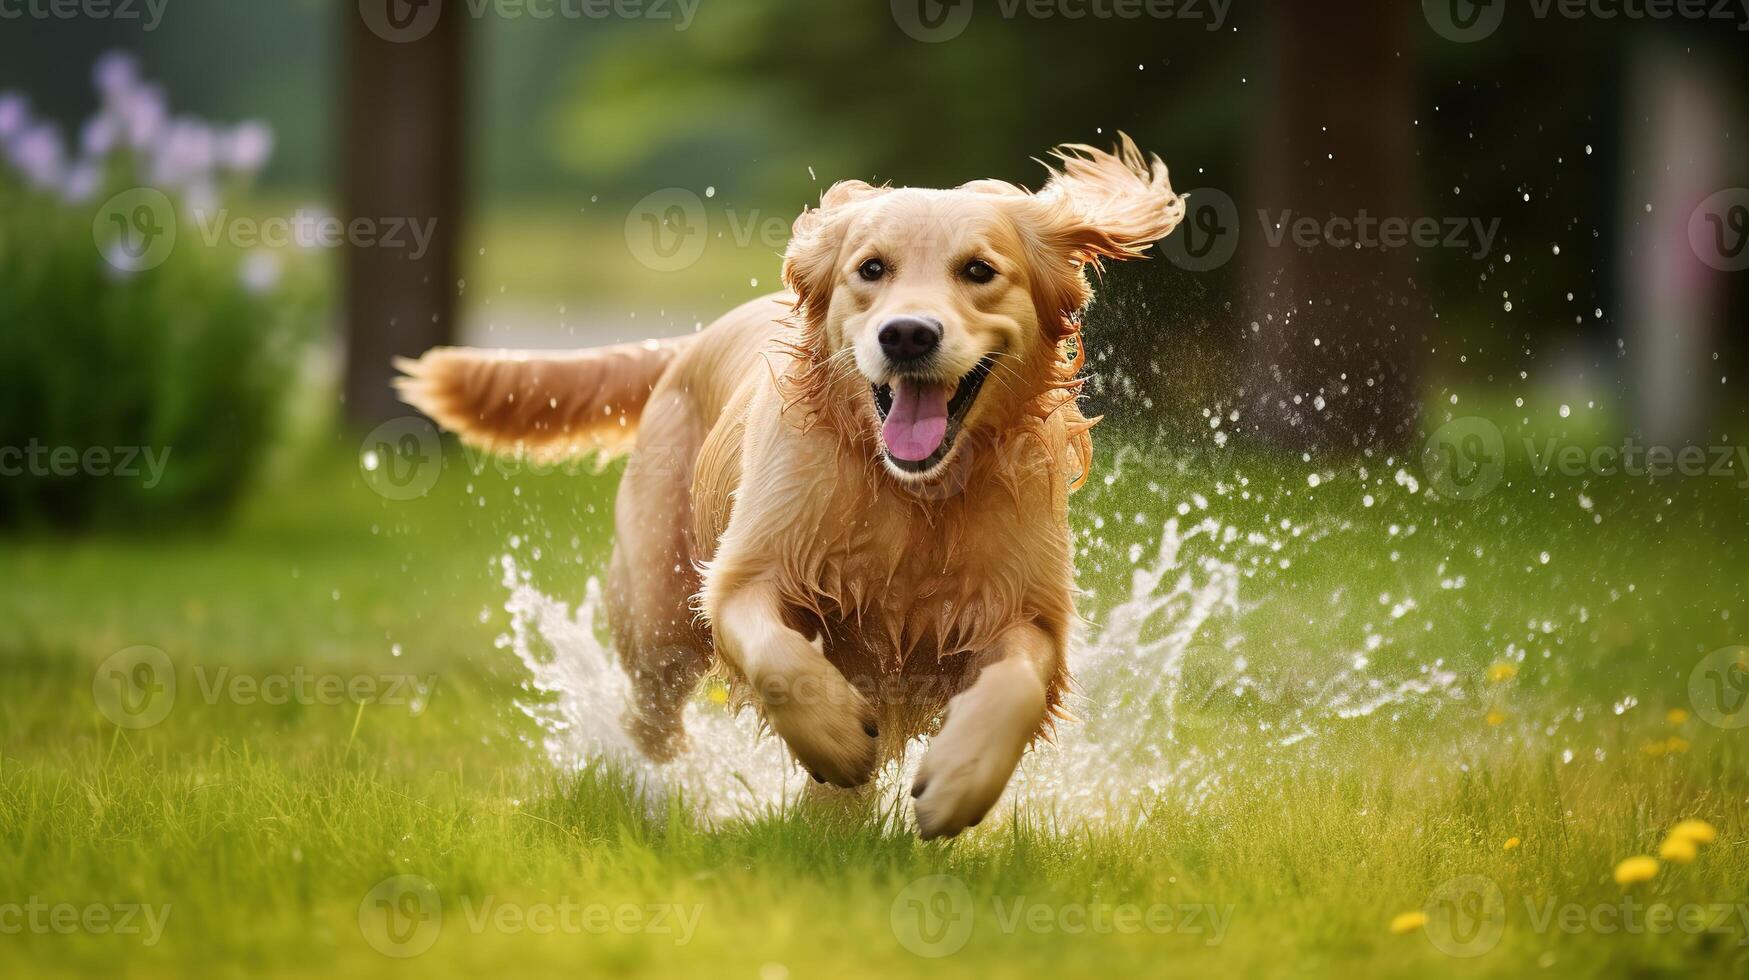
199,199
116,74
143,112
14,114
247,147
82,182
99,135
121,265
38,153
185,154
260,272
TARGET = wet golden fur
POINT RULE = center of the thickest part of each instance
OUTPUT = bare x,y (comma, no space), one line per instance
759,532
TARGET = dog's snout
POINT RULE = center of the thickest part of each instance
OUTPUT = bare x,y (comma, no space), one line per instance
909,338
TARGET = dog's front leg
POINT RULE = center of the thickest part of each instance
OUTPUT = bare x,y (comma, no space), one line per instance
988,726
825,721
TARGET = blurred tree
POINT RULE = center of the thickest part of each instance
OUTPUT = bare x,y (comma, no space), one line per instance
402,163
1337,332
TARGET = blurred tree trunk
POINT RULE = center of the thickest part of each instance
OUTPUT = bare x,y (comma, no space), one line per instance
1680,110
402,154
1340,327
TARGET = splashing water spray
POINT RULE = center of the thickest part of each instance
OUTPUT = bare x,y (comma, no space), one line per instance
1120,752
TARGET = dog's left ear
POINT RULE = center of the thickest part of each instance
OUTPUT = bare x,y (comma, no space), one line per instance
1098,206
1108,205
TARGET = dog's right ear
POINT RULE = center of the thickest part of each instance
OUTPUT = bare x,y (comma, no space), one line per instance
810,263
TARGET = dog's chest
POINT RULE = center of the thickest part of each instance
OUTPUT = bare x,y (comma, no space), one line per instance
918,584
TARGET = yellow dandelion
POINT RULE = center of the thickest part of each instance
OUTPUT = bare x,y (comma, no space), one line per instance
1676,716
1678,850
1673,745
1408,922
1636,869
1698,831
1511,844
1502,672
1496,717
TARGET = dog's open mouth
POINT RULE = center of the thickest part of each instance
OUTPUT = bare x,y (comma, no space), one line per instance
920,419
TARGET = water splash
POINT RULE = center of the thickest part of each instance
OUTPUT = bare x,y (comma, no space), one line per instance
578,693
1128,745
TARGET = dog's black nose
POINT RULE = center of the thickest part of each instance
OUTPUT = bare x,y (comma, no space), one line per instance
909,338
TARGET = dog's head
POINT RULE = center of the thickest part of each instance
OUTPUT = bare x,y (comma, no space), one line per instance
954,307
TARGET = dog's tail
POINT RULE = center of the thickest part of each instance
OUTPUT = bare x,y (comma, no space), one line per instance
545,405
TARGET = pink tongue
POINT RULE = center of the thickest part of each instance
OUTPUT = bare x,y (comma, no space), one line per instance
918,422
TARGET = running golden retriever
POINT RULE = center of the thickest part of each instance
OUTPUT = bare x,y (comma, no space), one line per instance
851,499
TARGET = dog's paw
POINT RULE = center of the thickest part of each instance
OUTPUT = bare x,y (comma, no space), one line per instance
969,763
828,725
955,787
659,741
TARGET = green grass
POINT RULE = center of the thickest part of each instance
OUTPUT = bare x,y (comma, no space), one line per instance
264,827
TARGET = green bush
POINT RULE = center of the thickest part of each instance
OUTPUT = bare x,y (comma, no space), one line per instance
134,387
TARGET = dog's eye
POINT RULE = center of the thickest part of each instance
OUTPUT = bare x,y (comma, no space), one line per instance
872,270
978,271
